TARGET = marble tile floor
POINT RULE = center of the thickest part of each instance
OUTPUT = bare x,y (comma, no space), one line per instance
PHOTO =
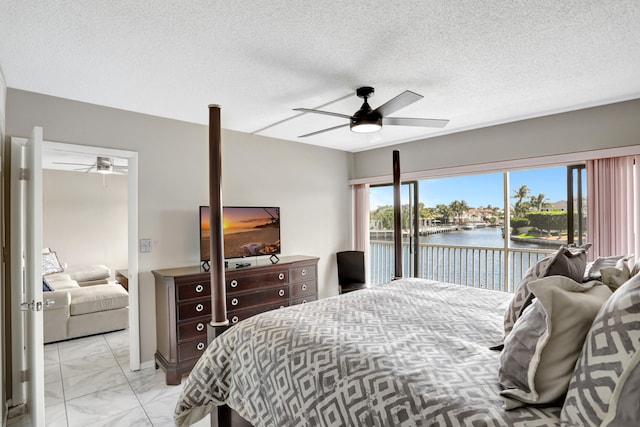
88,383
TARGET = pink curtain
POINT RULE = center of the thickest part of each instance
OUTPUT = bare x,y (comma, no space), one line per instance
361,223
613,204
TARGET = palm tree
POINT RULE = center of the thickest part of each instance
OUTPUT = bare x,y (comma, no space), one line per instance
539,202
520,206
458,207
444,212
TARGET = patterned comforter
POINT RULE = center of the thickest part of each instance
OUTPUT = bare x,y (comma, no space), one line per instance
408,353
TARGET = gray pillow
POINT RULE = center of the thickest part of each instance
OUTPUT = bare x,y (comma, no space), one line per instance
521,294
592,271
614,277
623,409
568,262
540,353
609,359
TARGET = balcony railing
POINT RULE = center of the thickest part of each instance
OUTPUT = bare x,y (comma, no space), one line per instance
478,267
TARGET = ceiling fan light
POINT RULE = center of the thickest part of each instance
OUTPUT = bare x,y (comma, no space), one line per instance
366,127
104,169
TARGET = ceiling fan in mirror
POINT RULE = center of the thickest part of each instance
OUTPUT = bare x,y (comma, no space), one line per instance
103,165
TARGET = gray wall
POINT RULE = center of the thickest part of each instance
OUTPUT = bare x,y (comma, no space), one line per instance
614,125
310,184
84,218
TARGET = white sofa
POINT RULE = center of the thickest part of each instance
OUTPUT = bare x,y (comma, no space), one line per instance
83,302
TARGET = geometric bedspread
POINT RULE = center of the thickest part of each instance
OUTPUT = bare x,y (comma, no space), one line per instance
412,352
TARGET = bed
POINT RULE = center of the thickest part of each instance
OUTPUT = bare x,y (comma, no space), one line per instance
415,352
409,353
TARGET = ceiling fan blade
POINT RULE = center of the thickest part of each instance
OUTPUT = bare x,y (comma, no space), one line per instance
326,113
394,104
73,164
323,130
406,121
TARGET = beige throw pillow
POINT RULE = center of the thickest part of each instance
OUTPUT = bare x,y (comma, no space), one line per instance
540,353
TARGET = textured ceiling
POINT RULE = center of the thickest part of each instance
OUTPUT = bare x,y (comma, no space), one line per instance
477,63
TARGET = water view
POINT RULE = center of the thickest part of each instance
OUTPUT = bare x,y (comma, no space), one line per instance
469,257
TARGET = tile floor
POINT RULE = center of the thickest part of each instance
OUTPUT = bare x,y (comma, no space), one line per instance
88,383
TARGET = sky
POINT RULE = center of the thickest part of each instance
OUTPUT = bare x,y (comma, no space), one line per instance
481,190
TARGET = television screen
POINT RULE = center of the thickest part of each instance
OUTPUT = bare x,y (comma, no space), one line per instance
248,231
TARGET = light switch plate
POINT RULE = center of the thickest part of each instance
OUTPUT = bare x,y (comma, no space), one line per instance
145,245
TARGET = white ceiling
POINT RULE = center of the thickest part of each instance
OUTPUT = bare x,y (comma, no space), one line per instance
477,63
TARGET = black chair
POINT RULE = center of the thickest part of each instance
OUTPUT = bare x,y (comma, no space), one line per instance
351,271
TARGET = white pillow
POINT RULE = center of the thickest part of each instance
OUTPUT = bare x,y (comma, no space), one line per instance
539,355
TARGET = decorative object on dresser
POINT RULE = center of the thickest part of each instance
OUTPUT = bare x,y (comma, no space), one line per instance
183,304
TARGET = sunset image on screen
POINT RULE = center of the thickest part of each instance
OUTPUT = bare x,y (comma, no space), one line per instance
251,231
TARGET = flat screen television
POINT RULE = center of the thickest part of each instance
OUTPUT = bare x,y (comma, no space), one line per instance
248,231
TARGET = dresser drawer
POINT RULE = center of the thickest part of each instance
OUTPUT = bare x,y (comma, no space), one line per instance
248,282
197,289
303,273
198,308
193,328
273,295
303,289
303,300
192,349
237,315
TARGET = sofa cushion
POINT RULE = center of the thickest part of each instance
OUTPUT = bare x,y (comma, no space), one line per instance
58,285
86,273
91,299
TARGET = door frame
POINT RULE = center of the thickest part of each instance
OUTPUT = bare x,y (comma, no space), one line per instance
132,233
17,344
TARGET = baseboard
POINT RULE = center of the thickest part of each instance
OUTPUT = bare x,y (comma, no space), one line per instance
148,364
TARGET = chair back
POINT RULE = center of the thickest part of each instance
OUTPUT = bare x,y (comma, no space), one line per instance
350,267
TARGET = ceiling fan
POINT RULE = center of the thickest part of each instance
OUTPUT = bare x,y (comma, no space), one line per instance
103,165
366,120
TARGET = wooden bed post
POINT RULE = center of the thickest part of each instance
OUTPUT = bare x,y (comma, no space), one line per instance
219,321
397,217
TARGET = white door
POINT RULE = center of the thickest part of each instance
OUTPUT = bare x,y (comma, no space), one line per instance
29,228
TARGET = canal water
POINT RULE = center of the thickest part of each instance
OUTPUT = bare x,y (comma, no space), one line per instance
484,237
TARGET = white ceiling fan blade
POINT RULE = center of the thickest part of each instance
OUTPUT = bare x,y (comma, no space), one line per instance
409,121
326,113
394,104
323,130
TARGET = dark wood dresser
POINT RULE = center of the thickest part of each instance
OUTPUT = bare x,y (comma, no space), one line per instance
183,304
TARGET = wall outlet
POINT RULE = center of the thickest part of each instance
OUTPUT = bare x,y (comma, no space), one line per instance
145,245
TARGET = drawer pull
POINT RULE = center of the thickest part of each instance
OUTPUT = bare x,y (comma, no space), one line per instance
199,327
200,346
304,301
199,307
234,283
304,287
304,272
234,319
281,276
199,288
281,292
234,301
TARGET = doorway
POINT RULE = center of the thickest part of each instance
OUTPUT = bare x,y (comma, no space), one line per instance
74,152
